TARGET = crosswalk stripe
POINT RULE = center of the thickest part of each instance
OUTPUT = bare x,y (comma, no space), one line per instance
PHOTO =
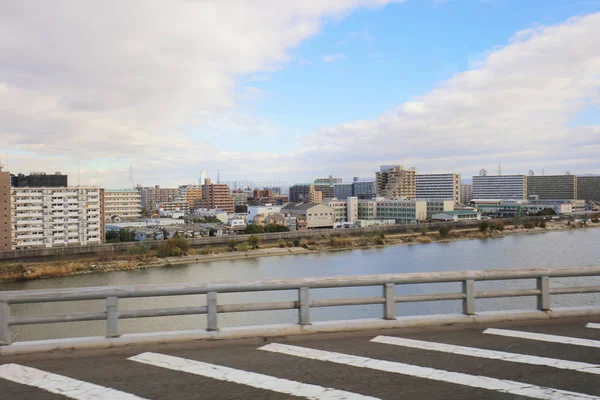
252,379
490,354
544,337
482,382
68,387
592,325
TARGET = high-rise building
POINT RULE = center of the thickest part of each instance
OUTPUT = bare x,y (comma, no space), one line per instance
466,194
54,217
216,196
552,186
314,196
5,211
395,181
588,188
151,196
122,204
299,192
342,191
39,179
190,193
363,189
439,186
500,187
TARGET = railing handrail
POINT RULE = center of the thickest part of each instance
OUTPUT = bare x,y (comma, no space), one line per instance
129,291
468,295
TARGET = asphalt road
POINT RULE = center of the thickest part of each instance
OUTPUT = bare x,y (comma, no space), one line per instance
312,367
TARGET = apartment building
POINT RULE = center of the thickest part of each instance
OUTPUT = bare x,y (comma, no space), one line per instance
500,187
151,196
216,196
466,194
588,188
301,192
314,196
5,212
190,193
552,186
54,217
395,181
122,204
439,186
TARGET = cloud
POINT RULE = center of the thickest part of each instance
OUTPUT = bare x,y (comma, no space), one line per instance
520,98
333,57
105,79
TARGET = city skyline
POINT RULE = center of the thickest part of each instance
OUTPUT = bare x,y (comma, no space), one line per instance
304,91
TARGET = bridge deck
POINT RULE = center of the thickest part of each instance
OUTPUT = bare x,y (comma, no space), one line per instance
436,363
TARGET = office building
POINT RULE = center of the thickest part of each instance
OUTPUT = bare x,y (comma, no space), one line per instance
39,179
342,191
552,187
439,186
328,181
395,182
403,211
216,196
54,217
152,196
344,210
5,211
466,194
588,188
363,189
500,187
122,204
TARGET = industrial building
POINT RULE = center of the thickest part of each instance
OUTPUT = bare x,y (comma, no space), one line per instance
439,186
315,215
395,181
54,217
122,204
588,188
552,187
500,187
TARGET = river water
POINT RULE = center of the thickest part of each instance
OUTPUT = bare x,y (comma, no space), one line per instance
553,249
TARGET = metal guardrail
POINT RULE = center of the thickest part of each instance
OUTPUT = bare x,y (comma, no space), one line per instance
112,294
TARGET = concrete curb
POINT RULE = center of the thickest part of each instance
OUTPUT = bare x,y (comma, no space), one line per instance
266,331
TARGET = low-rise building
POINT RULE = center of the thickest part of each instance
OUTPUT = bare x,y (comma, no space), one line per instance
316,215
253,211
458,215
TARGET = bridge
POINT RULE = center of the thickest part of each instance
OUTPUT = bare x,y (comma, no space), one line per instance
543,353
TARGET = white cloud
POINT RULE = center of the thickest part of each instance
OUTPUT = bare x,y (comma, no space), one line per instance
519,98
333,57
113,79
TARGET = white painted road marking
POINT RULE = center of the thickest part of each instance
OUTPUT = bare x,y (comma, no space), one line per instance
68,387
491,354
544,337
482,382
245,378
593,326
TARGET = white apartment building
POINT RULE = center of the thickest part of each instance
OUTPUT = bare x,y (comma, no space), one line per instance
500,187
54,217
439,186
122,204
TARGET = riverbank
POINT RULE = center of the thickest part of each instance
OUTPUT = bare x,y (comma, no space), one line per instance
11,271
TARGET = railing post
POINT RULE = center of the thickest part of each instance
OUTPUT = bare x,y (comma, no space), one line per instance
543,299
389,308
4,327
304,309
468,287
112,317
211,315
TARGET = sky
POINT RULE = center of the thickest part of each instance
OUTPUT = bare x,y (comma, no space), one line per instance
269,90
